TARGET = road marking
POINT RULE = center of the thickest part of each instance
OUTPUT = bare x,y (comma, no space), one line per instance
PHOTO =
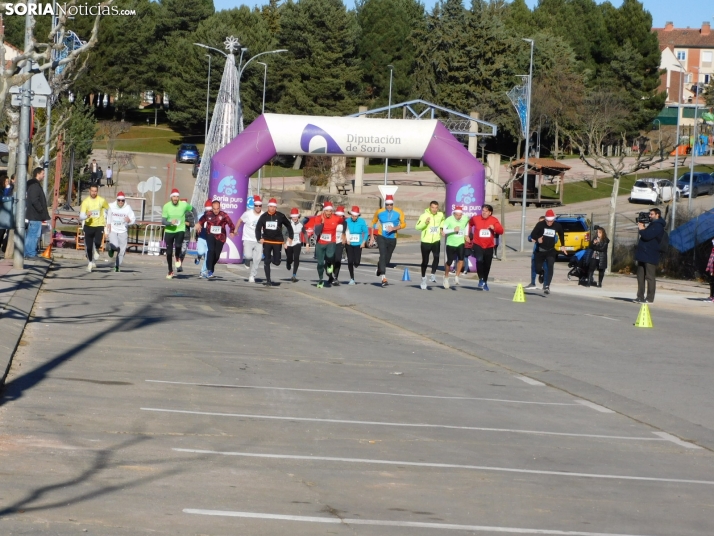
207,308
398,424
676,440
410,524
152,167
594,406
245,310
445,466
602,316
530,381
363,393
178,306
130,303
140,167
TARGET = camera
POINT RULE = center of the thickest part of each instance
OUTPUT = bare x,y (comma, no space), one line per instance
643,217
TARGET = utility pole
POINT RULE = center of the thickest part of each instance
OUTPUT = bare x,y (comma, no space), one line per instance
528,139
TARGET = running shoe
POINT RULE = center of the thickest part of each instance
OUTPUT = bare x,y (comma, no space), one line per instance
179,269
170,276
384,282
267,283
639,301
178,263
481,283
541,278
446,282
94,265
96,256
329,270
433,278
251,279
423,283
116,268
89,267
710,299
209,275
456,280
294,279
336,282
530,286
320,284
110,251
352,282
485,287
546,290
196,260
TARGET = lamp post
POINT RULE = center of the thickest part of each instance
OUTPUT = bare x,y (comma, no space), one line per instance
208,97
694,141
482,144
525,162
675,190
240,73
389,116
262,111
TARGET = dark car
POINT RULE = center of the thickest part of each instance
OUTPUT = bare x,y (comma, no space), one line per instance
196,166
703,183
187,152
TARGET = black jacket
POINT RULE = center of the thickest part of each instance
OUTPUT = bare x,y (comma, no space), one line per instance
648,245
266,221
36,209
601,249
542,229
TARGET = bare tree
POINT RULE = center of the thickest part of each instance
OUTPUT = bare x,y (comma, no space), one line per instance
109,132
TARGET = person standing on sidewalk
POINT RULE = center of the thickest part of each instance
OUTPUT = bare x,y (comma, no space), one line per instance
110,176
93,214
356,233
485,228
35,212
599,258
252,249
546,234
647,255
269,232
292,253
429,223
119,217
385,224
455,228
173,216
215,222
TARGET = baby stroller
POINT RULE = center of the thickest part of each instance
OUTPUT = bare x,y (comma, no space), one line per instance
579,265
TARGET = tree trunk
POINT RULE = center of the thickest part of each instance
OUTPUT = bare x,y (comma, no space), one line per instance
518,150
555,154
611,221
13,139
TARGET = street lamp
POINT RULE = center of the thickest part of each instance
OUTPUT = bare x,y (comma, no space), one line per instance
240,73
672,223
482,144
694,141
389,116
525,162
208,97
262,111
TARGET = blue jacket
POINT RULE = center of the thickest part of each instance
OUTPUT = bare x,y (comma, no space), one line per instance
357,227
648,245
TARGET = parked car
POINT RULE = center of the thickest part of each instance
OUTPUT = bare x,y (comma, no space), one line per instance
703,183
187,152
576,229
654,191
196,166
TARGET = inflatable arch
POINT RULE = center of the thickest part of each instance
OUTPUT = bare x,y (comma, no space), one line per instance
273,134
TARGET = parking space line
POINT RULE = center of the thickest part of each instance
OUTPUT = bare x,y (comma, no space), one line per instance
410,524
602,316
594,406
530,381
207,308
399,424
445,466
336,391
676,440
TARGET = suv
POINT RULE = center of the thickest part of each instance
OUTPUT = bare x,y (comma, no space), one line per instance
187,152
703,184
576,229
652,191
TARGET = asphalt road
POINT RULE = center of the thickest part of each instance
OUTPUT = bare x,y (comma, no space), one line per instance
139,405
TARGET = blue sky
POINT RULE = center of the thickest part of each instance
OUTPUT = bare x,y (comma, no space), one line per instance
662,11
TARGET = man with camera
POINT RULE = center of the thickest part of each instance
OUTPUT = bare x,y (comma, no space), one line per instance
651,231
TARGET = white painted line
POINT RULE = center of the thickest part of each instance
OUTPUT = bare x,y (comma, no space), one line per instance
398,424
602,316
152,167
410,524
445,466
530,381
178,306
504,299
130,303
676,440
594,406
140,167
365,393
207,308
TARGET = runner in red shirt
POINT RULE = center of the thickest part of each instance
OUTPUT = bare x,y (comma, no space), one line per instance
215,223
326,231
485,228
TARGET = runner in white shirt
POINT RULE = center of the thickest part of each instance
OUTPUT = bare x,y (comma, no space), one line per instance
252,249
119,216
293,252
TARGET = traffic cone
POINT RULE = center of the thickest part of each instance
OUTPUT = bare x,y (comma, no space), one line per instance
405,276
644,320
519,296
47,253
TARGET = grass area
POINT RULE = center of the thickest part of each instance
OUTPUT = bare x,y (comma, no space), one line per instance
577,192
143,139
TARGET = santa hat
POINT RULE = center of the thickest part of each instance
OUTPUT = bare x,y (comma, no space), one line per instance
256,200
389,199
355,210
273,202
458,209
175,192
294,212
328,206
207,204
340,211
550,215
120,196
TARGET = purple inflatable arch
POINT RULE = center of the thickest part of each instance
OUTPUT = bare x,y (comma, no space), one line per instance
272,134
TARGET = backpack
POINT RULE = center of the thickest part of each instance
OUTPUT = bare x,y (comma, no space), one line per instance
664,243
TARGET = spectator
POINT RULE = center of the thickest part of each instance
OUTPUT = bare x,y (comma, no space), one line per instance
710,271
647,255
110,175
35,211
599,258
8,186
100,175
5,191
93,167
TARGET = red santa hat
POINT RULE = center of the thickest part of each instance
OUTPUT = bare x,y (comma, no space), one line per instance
355,210
273,202
328,206
550,215
257,201
294,212
207,204
389,199
120,196
175,192
340,211
458,209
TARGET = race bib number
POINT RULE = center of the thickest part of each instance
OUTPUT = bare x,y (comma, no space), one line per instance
433,230
550,233
94,213
485,233
355,238
216,229
460,233
271,225
387,227
116,222
326,237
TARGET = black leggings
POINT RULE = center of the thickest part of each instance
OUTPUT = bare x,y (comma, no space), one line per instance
215,247
595,265
386,248
4,235
292,255
547,258
354,257
338,259
174,242
484,258
711,285
92,240
430,249
273,253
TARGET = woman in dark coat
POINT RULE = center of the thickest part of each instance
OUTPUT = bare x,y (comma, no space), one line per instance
599,259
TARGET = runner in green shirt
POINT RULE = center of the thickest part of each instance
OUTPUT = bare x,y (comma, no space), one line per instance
454,229
173,216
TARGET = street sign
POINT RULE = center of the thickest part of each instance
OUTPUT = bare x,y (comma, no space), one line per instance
39,91
153,184
37,101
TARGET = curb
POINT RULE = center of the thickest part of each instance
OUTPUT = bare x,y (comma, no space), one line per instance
14,316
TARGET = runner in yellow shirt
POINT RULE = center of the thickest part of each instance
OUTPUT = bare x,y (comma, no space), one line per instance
93,214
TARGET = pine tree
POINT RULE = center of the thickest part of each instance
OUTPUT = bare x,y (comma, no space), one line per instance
182,17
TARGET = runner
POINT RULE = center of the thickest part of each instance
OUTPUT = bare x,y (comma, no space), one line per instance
386,223
292,253
325,231
190,223
429,224
485,228
120,215
215,223
92,213
201,244
268,233
173,216
252,250
339,246
532,284
454,229
546,234
354,239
